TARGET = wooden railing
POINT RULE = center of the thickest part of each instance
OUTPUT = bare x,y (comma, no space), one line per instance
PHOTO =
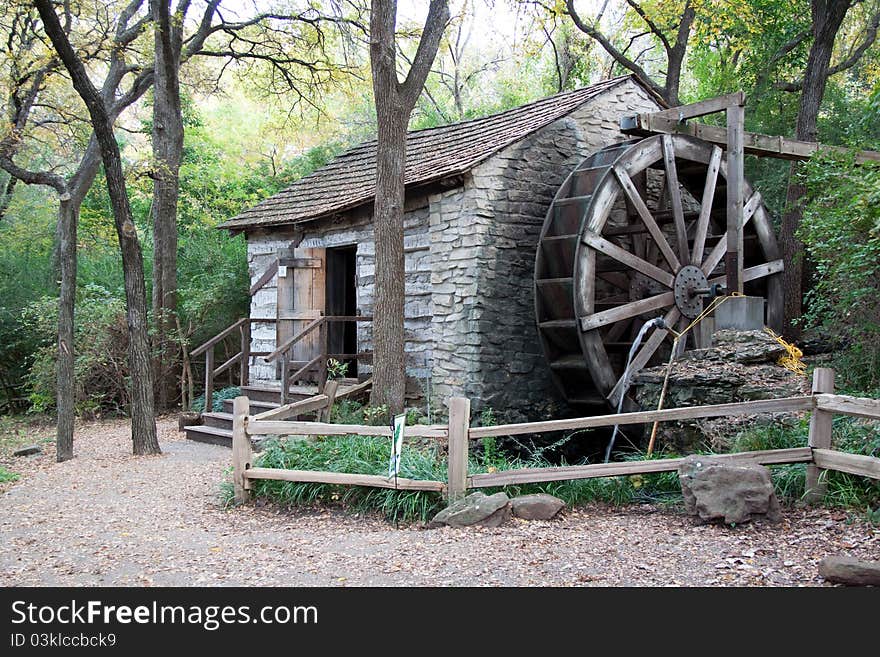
243,356
319,362
817,454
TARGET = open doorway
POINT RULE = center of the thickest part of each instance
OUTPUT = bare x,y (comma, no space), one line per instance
342,301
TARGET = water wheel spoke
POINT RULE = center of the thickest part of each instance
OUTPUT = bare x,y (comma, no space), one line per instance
715,256
675,197
706,206
626,311
645,352
632,194
756,272
623,256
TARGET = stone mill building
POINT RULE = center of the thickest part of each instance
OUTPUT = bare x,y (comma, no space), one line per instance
477,193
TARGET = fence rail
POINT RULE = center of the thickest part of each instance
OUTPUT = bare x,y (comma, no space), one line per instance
818,454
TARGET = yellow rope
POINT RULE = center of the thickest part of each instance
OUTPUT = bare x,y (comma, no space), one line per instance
792,360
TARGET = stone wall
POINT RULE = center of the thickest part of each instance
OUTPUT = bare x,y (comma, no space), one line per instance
357,230
486,236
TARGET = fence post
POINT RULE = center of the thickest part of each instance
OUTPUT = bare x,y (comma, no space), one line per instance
459,426
241,449
285,378
330,389
820,434
209,380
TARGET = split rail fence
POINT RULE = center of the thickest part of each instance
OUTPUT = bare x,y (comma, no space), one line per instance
458,433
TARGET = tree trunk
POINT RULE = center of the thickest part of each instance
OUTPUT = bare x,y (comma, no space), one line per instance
827,19
65,388
389,376
143,421
167,150
394,103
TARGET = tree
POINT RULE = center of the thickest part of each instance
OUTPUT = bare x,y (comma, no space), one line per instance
167,149
143,420
394,103
827,18
672,28
108,42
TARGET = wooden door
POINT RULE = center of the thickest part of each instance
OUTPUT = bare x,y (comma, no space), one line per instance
301,300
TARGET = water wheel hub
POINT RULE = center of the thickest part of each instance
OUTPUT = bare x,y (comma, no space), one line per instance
689,287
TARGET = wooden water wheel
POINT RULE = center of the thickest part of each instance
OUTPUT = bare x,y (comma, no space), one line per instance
637,231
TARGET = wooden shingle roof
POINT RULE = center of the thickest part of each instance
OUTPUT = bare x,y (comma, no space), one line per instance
432,154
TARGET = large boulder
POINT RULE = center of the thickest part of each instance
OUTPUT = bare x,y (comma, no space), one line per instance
475,509
724,489
539,506
846,570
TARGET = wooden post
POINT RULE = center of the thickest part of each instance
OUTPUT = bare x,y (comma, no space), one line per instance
322,363
735,176
459,426
245,354
330,390
820,434
241,449
285,377
209,380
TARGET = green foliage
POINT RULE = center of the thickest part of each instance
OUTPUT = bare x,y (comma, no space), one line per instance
198,404
841,232
101,343
6,475
336,369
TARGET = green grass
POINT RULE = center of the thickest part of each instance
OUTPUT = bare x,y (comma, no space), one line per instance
6,475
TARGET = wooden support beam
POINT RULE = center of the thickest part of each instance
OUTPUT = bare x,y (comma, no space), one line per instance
846,405
459,424
857,464
753,143
640,417
820,434
735,184
283,428
345,479
626,468
702,108
242,452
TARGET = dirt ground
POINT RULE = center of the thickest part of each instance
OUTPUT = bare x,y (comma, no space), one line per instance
110,518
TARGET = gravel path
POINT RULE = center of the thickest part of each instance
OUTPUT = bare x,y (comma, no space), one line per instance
109,518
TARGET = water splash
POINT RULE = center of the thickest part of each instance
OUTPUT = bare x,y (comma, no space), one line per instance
657,322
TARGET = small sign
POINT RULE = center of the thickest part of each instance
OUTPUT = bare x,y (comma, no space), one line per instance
396,445
282,271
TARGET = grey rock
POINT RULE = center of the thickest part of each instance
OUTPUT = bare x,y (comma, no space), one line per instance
722,489
28,451
850,571
539,506
475,509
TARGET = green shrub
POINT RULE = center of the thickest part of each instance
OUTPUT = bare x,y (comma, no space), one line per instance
198,404
841,233
101,371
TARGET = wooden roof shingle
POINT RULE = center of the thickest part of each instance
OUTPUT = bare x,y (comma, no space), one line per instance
432,154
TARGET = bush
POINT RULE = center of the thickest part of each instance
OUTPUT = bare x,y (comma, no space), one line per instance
198,404
101,372
841,233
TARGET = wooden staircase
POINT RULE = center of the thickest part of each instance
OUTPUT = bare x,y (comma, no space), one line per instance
216,426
